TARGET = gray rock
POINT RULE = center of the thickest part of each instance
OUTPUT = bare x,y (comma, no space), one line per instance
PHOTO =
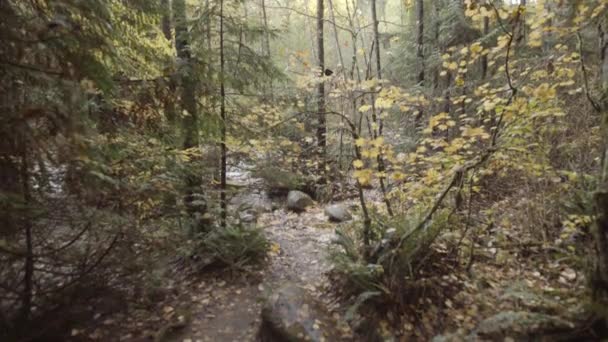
521,325
338,213
298,201
248,216
292,314
257,202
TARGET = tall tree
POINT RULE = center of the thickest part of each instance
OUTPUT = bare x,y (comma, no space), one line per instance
266,41
224,149
381,167
166,28
484,58
193,199
601,196
420,39
165,22
376,23
321,119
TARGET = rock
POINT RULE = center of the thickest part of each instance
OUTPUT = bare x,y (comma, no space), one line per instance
292,314
257,202
278,181
338,213
298,201
248,206
248,216
521,325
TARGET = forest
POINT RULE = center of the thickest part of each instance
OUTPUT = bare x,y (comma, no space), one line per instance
293,170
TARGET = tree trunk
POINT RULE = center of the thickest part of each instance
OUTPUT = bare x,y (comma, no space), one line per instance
377,39
224,150
165,23
267,43
342,75
600,276
437,70
321,128
28,265
522,25
484,58
375,118
420,40
169,105
193,199
420,52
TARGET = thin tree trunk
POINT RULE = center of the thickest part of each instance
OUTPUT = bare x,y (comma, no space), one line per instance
356,126
355,63
321,128
437,31
224,150
420,52
484,58
169,105
267,42
377,39
342,75
165,22
28,266
522,26
420,40
376,119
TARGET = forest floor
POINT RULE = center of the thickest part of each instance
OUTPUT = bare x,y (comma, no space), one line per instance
226,306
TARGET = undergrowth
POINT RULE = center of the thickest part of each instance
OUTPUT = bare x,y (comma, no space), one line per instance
393,273
234,246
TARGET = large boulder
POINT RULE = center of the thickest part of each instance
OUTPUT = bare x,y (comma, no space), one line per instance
292,314
298,201
338,213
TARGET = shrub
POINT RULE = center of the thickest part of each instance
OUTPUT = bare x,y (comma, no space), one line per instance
401,249
235,246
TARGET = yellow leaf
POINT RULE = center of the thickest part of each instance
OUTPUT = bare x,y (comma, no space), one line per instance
476,48
379,141
364,108
363,176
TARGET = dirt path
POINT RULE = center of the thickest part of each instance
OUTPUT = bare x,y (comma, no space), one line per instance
230,310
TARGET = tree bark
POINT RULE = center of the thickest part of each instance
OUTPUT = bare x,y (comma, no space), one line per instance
169,105
377,39
484,58
600,277
321,128
267,42
165,23
28,265
224,149
381,167
420,40
342,75
193,199
437,70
